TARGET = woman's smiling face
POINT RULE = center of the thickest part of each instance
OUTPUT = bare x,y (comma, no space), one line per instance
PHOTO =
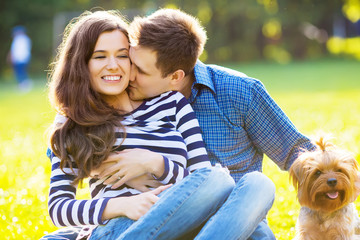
109,65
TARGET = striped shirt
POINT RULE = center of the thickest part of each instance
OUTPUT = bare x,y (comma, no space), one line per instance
240,122
165,124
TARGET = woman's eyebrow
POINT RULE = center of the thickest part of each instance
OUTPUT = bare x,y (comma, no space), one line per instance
119,50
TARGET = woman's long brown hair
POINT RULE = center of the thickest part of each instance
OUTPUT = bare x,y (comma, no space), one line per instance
88,135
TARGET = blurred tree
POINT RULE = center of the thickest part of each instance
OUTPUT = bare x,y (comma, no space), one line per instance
248,30
238,30
38,18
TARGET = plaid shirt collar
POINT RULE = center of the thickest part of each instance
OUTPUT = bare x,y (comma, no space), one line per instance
202,78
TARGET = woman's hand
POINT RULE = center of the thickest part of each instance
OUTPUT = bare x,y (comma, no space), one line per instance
121,167
132,207
142,183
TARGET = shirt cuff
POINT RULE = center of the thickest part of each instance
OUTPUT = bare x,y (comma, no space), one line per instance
166,170
103,205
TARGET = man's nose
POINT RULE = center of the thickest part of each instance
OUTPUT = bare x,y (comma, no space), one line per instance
132,73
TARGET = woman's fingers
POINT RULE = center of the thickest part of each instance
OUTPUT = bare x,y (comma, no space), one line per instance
160,189
120,181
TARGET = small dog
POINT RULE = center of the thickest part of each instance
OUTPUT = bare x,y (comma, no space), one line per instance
325,183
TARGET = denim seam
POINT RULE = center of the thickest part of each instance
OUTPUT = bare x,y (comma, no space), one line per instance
167,219
104,234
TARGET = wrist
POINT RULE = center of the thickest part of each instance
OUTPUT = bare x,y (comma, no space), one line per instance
156,165
114,208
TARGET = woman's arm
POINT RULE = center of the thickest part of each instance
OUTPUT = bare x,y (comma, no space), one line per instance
64,209
188,126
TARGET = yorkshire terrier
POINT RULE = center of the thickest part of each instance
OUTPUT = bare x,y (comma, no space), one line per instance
325,180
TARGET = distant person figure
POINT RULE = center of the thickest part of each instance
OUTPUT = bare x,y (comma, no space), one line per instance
19,56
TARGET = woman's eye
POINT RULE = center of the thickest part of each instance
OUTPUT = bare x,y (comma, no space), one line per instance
99,57
123,56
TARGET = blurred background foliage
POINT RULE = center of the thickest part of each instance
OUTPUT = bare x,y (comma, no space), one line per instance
238,30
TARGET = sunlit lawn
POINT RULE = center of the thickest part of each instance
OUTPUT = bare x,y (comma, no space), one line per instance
317,95
333,112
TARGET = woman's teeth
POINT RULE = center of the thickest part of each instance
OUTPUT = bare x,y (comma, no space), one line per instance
111,78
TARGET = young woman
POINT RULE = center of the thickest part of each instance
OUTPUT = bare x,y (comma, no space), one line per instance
96,117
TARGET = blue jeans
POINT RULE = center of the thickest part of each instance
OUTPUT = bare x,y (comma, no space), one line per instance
20,70
68,233
195,208
180,209
243,214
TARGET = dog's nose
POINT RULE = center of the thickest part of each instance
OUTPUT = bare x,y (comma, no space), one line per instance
332,182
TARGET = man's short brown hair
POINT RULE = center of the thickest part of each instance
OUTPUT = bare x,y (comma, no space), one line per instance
177,38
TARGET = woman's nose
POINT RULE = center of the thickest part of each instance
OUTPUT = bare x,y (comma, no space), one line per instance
112,63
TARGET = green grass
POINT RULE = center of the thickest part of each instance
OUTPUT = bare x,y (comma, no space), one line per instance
316,95
306,76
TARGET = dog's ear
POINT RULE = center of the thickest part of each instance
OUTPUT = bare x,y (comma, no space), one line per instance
356,164
295,173
356,174
298,171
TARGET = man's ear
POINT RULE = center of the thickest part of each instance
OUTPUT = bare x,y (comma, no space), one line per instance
177,77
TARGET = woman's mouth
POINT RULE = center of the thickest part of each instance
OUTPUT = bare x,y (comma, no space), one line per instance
111,78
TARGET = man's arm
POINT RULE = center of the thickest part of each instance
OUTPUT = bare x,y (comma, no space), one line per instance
271,130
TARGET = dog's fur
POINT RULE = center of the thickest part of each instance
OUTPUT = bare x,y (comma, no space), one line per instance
325,184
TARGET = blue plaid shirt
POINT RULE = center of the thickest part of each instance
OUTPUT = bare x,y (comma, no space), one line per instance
240,122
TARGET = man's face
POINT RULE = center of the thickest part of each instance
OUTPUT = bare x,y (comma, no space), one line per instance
146,79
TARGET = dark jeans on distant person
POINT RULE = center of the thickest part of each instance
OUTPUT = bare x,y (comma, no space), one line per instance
21,73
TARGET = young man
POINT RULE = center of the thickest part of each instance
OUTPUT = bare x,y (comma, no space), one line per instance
240,122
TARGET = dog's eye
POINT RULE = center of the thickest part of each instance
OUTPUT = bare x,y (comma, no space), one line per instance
339,170
318,173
